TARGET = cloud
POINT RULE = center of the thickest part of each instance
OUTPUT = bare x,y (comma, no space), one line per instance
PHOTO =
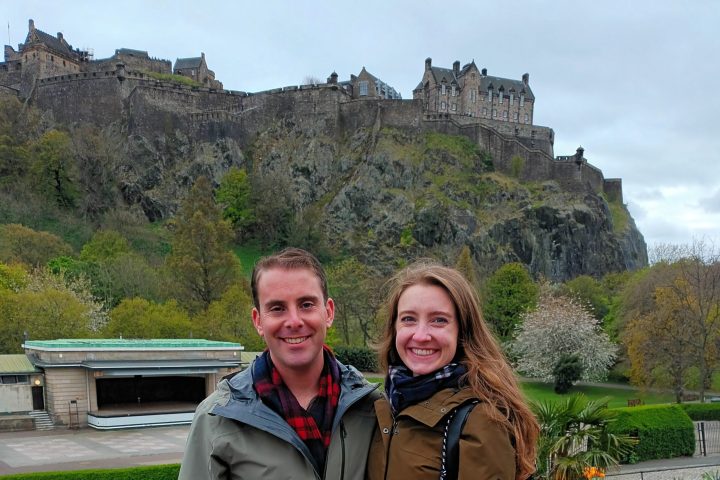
712,203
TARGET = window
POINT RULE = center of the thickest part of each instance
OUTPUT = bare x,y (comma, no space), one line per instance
512,99
494,113
505,116
500,97
515,116
522,99
363,87
14,379
472,96
442,105
484,112
442,89
489,96
453,107
527,118
453,92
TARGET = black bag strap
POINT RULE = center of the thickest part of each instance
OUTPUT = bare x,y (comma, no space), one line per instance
450,459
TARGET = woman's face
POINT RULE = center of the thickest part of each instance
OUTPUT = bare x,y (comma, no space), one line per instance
426,328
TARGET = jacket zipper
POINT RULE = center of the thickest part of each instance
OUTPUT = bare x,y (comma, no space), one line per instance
387,454
343,434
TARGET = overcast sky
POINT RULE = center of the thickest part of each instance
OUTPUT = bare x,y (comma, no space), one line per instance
630,81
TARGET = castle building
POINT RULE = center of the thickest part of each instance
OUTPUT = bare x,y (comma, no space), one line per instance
367,85
196,68
43,55
472,92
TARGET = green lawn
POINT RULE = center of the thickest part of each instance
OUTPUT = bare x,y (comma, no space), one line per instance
248,255
539,391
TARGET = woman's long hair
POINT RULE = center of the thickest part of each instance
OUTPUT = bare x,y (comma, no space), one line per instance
489,374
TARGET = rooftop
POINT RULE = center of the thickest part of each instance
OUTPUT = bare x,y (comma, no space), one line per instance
81,344
16,364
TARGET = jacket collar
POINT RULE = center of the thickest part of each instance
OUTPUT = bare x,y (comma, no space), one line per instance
431,411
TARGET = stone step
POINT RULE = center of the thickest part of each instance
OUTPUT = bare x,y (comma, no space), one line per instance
42,420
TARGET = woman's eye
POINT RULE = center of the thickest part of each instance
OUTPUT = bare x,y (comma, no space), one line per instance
440,320
406,319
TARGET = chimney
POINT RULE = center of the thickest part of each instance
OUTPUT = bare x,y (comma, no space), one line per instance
484,72
60,36
428,63
526,78
456,67
31,25
332,79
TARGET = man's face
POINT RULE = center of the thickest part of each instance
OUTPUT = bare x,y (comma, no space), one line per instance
292,317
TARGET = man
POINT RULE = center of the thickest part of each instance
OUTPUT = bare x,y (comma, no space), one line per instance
295,412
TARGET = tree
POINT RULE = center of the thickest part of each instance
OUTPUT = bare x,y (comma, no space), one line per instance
273,205
567,371
681,293
104,245
509,293
230,319
357,298
590,292
560,326
140,318
201,263
574,436
660,344
233,195
20,244
53,168
466,266
47,306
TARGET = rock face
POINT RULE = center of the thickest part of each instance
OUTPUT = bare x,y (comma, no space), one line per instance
383,183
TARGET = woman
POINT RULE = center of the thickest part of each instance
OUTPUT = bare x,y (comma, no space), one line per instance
440,354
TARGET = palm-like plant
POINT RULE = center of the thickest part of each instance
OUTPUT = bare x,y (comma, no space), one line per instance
574,436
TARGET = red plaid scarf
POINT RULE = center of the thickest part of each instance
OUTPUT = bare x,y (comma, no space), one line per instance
313,426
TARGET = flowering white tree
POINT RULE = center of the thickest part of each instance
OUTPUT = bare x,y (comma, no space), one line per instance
560,326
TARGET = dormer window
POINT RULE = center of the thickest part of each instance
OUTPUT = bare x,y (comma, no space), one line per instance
363,87
453,91
522,99
473,96
512,98
500,97
489,96
442,89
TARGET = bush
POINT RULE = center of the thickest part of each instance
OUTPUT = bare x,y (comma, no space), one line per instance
362,358
663,431
567,371
702,411
153,472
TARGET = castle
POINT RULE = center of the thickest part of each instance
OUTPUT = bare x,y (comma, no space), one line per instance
494,112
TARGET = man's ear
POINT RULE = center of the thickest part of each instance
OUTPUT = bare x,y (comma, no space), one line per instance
256,321
330,310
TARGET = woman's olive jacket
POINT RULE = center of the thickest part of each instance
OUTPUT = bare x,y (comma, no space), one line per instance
234,435
409,446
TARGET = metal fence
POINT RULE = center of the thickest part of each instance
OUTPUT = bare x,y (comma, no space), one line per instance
707,438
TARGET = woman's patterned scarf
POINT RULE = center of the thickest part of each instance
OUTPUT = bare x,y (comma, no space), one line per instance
404,389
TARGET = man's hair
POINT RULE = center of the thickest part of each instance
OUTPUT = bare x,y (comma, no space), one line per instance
290,259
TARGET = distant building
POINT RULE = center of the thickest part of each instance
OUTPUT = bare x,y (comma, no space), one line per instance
367,85
111,383
196,68
472,92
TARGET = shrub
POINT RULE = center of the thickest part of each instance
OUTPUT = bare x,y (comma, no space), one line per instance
663,431
362,358
567,371
153,472
702,411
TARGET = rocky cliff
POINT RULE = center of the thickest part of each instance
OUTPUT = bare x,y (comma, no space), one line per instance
383,183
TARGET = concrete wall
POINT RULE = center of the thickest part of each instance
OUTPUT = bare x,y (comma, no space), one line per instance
61,386
15,398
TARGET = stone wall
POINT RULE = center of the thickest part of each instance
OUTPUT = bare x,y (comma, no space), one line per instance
208,114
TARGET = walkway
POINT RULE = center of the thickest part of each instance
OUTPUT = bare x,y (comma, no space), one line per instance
88,448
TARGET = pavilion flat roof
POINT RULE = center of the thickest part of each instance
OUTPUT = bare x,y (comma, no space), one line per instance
114,344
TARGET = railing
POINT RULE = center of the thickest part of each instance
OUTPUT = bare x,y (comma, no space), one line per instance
707,438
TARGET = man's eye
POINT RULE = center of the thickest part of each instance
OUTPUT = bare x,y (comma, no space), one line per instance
307,305
276,308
